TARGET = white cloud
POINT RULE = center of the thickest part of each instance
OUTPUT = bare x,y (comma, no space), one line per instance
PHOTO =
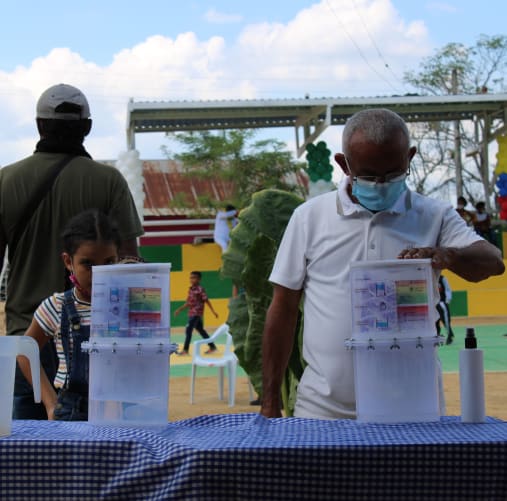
327,50
441,7
324,50
215,17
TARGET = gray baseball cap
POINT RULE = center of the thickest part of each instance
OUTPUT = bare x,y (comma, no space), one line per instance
63,102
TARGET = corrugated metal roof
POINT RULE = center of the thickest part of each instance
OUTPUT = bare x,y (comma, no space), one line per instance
165,181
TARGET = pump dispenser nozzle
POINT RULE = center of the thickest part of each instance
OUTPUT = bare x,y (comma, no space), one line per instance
470,339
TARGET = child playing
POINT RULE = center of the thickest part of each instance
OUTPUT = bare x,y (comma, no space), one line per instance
89,239
195,302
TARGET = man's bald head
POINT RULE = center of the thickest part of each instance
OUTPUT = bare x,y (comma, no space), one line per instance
377,126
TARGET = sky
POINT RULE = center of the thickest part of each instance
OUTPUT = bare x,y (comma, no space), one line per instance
159,50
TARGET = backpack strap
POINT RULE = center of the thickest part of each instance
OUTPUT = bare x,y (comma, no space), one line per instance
34,203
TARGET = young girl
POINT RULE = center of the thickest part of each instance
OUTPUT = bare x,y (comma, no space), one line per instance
89,239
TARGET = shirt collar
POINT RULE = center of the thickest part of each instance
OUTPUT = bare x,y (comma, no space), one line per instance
77,300
346,207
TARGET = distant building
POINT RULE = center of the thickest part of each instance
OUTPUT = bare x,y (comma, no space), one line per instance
166,183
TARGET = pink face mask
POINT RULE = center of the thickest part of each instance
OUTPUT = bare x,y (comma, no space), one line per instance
77,285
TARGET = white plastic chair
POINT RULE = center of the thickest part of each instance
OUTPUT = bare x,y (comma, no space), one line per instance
227,359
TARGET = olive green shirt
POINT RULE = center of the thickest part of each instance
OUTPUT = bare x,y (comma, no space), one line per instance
36,270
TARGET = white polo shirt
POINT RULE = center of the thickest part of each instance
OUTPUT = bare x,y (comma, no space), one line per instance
323,236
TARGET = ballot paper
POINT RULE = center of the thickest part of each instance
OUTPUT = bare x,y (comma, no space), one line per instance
130,300
392,298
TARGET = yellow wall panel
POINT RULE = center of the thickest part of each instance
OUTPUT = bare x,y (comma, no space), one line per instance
201,257
487,303
180,282
221,306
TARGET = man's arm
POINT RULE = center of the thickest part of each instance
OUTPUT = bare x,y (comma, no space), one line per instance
226,215
277,342
474,263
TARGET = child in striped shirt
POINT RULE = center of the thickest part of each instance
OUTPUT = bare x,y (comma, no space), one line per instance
89,239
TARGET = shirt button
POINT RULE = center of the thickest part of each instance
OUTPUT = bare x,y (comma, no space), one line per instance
372,246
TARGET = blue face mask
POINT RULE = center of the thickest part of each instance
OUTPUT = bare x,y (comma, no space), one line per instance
378,196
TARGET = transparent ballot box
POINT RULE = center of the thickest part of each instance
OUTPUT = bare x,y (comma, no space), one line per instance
394,341
129,345
396,381
129,381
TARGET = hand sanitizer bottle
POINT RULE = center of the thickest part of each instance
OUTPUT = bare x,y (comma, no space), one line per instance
471,381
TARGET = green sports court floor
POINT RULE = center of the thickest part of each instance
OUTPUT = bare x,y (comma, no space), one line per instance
490,339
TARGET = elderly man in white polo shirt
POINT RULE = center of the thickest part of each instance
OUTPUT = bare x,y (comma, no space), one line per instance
371,216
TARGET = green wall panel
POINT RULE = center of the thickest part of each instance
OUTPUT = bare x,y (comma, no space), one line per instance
216,286
163,254
459,304
181,319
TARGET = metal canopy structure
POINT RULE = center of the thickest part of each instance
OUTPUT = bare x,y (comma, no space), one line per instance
309,117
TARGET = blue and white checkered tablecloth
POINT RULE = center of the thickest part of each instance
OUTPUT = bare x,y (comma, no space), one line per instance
247,457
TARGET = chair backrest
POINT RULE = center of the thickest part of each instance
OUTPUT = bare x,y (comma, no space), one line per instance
222,331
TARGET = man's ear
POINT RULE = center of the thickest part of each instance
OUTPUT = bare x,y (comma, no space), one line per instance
67,261
340,160
88,126
39,127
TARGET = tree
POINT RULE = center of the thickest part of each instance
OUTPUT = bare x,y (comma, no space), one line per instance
233,156
431,171
458,151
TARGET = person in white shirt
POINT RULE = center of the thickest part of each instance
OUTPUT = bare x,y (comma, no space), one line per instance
225,220
372,216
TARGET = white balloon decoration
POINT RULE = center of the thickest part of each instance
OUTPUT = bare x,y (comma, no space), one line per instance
320,187
131,166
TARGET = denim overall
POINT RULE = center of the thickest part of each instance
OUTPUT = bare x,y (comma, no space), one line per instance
72,404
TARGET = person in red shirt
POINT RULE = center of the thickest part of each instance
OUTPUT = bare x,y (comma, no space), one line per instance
195,302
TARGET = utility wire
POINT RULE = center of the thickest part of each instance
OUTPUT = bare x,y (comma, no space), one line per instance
380,55
360,52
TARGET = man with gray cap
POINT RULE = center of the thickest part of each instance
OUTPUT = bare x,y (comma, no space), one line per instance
38,195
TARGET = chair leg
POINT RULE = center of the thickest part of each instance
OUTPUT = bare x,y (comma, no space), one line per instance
231,370
220,383
192,383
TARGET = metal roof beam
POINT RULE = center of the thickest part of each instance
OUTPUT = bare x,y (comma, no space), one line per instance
313,116
313,126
